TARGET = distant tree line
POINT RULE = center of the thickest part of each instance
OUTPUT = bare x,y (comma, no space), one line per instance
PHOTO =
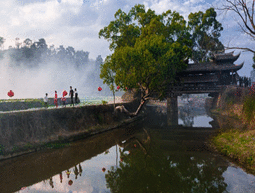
33,54
29,54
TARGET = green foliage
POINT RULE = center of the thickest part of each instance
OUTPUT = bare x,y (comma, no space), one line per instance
205,30
1,149
237,145
149,50
249,107
104,102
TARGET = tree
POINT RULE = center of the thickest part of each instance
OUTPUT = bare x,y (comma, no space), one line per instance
150,167
148,50
244,10
2,40
205,30
27,42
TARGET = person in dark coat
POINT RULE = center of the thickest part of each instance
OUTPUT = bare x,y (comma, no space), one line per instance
75,96
71,95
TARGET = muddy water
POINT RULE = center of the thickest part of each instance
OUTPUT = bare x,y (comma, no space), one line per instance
151,157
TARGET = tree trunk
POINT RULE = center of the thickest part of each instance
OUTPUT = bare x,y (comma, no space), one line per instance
123,109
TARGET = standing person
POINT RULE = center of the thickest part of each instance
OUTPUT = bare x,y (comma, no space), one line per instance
75,96
71,95
45,100
63,99
56,99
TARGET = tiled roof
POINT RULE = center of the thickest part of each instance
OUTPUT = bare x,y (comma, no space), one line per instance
226,57
212,67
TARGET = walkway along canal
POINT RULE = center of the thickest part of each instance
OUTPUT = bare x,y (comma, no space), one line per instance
148,157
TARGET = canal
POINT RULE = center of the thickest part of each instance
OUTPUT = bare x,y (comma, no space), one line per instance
150,157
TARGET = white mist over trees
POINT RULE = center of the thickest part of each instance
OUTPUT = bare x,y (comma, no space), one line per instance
32,69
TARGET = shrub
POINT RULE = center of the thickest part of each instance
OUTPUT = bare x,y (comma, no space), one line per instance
104,102
249,106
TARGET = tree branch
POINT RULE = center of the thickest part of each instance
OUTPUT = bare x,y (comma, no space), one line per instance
239,48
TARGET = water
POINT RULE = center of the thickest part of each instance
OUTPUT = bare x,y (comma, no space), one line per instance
151,157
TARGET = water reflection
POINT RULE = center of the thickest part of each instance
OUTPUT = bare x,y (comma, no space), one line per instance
150,164
148,157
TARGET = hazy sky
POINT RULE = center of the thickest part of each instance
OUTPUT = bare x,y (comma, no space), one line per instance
76,23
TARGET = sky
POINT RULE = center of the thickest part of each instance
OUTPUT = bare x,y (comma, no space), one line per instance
77,23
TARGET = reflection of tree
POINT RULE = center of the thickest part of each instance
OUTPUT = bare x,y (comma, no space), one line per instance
51,182
187,116
76,172
148,168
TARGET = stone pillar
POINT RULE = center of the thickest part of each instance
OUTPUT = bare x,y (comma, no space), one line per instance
172,110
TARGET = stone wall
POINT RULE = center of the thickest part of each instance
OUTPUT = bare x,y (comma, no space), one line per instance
19,131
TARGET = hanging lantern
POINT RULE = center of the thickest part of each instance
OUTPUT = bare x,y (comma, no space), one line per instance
10,93
118,87
70,182
64,93
99,88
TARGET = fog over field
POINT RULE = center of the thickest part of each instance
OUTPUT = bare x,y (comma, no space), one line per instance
47,77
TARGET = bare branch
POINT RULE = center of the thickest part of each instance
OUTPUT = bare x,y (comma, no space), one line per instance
239,48
246,13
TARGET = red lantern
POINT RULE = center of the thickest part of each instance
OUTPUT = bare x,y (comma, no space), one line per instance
70,182
118,87
10,93
64,93
99,88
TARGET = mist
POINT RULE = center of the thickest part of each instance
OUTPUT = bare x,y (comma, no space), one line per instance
47,77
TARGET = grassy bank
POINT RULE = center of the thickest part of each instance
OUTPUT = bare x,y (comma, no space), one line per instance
236,139
237,145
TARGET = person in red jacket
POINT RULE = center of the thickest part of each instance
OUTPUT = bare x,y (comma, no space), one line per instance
63,99
56,99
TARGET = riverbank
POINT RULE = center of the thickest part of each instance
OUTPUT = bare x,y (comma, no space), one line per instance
31,130
236,138
239,146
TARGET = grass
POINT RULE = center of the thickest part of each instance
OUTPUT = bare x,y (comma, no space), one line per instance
238,145
20,100
249,107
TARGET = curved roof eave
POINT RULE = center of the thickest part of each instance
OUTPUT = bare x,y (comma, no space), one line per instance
215,69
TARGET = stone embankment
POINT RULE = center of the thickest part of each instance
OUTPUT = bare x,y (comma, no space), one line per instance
31,130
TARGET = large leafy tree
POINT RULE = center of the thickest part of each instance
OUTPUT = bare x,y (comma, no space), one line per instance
148,50
205,30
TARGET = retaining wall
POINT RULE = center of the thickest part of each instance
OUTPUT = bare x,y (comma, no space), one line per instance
31,129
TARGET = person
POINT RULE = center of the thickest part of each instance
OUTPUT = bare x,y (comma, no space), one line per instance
56,99
45,100
71,95
75,96
63,99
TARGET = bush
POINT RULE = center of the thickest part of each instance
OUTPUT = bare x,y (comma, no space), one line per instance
104,102
249,106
